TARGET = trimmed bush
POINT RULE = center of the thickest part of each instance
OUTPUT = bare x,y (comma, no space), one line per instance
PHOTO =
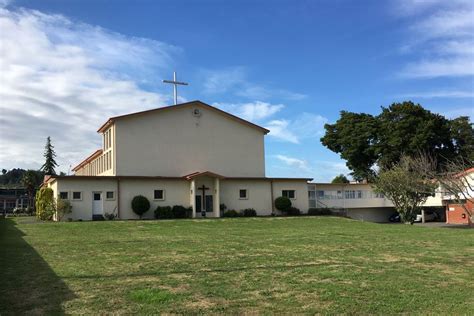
140,205
249,212
319,211
293,211
282,203
180,211
45,204
164,212
231,213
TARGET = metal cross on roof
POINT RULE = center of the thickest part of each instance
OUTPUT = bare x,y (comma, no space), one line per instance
175,83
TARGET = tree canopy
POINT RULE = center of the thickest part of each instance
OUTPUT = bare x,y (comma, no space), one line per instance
406,184
340,179
49,155
366,141
14,177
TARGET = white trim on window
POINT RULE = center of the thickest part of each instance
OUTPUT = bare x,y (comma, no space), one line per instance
80,196
113,195
246,194
67,195
163,195
288,190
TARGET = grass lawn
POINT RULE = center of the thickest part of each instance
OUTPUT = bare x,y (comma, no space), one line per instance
247,265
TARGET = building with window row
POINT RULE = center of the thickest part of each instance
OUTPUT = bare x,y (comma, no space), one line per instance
190,154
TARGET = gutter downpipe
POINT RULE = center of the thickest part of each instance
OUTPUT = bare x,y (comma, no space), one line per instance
118,197
271,196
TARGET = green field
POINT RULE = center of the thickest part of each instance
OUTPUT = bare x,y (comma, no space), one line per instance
246,265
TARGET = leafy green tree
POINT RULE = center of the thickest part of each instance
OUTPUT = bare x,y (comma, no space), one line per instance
366,141
353,137
340,179
49,155
405,184
140,205
45,204
30,182
462,134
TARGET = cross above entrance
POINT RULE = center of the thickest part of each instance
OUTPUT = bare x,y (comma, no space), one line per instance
175,84
203,188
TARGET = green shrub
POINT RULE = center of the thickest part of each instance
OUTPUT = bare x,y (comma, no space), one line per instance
249,212
140,205
180,211
319,211
45,206
231,213
293,211
282,203
164,212
63,207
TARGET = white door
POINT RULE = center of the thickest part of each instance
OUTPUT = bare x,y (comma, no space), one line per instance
97,205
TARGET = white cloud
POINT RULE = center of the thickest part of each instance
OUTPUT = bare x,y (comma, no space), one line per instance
304,126
220,81
279,130
442,37
235,80
252,111
294,162
63,79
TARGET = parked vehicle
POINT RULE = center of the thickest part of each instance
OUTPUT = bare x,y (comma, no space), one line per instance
395,218
429,217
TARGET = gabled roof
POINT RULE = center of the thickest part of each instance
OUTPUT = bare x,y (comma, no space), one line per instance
205,173
94,155
196,102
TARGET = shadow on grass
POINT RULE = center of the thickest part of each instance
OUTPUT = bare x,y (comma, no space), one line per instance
28,285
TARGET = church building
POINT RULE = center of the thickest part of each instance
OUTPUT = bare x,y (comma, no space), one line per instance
190,154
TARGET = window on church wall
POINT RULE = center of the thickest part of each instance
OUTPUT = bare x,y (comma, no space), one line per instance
64,195
243,194
289,194
159,195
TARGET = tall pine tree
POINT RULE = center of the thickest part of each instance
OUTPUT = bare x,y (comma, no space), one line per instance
49,154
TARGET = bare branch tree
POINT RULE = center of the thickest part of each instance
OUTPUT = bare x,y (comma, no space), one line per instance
407,185
457,181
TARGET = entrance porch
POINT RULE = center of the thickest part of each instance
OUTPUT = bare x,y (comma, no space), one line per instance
204,189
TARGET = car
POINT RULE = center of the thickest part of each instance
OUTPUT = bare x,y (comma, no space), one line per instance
429,217
394,218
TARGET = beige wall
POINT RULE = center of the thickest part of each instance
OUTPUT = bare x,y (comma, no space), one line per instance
176,193
175,143
104,165
258,191
301,188
82,209
368,200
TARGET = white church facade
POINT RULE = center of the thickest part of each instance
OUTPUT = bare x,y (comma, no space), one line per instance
190,154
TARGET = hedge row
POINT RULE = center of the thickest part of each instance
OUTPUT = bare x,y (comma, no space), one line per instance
248,212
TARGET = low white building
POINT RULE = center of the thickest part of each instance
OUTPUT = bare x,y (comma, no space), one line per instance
359,201
190,154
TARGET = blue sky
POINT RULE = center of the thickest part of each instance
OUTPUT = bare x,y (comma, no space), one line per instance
290,66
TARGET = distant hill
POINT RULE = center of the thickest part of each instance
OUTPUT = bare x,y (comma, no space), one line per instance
12,178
